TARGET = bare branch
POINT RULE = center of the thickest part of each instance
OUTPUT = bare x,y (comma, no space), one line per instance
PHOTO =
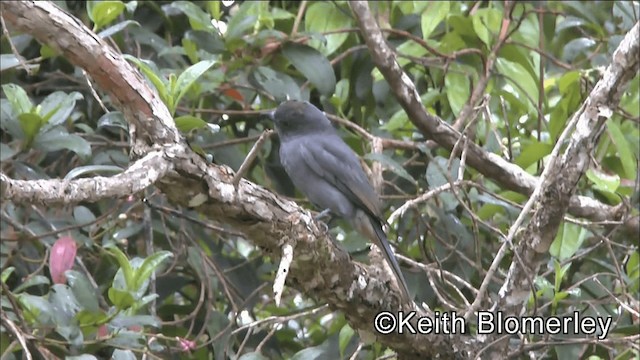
137,177
491,165
560,177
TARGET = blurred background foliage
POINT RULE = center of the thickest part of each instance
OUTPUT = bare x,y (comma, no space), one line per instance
149,278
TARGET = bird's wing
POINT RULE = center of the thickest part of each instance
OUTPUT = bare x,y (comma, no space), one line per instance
336,163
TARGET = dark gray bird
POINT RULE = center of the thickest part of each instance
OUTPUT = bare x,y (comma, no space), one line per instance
328,172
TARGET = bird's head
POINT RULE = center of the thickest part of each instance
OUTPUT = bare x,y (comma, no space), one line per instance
296,118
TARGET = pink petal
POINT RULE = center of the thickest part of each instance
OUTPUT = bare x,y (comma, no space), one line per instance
63,253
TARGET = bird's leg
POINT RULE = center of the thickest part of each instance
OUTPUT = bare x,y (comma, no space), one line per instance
324,214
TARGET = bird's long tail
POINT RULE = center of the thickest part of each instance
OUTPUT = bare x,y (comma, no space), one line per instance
371,227
383,244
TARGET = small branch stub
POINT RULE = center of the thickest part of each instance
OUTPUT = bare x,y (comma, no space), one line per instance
283,271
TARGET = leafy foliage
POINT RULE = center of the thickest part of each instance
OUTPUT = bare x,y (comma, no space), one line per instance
151,278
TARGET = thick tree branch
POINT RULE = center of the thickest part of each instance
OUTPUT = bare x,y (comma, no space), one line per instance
491,165
560,177
319,268
140,175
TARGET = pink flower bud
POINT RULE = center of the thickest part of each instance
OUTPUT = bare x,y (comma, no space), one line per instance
63,253
186,345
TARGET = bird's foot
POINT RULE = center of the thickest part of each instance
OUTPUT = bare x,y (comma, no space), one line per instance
321,217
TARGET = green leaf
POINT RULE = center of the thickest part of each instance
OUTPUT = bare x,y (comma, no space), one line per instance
124,321
313,65
210,42
6,152
83,291
560,271
315,352
31,125
486,24
281,86
18,98
187,78
622,145
521,80
253,356
392,165
125,266
113,122
35,309
114,29
323,17
187,123
149,265
36,280
92,169
244,19
533,152
158,81
345,336
602,181
119,354
104,12
121,299
432,15
436,175
458,90
198,18
568,241
633,272
58,139
6,273
94,319
58,106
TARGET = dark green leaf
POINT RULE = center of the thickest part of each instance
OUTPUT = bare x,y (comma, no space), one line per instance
322,17
6,152
125,266
313,65
57,107
458,90
114,122
392,165
279,85
198,19
157,80
532,153
124,321
83,291
432,16
603,181
568,241
149,265
18,98
209,42
93,169
32,281
245,18
114,29
187,78
58,139
627,159
119,354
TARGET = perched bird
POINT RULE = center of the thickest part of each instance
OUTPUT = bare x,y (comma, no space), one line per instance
325,169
